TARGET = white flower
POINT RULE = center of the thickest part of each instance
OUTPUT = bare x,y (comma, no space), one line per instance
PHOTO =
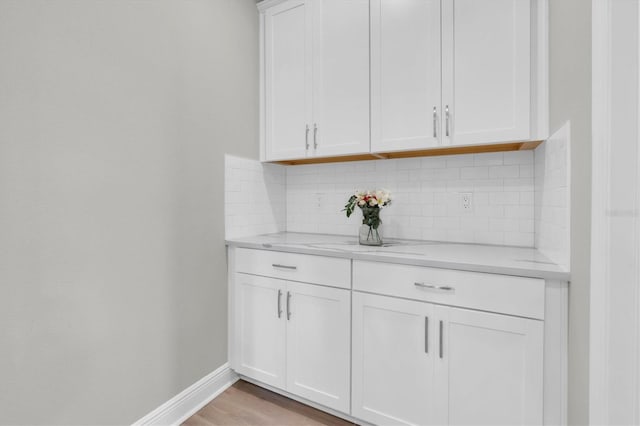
372,198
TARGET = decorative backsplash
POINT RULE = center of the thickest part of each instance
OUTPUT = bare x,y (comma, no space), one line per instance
426,196
518,198
255,199
552,208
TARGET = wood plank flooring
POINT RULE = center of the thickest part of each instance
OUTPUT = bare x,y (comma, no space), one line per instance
249,405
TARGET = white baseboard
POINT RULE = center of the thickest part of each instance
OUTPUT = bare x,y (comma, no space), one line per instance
189,401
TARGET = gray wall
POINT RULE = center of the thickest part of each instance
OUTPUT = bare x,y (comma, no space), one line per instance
570,100
114,118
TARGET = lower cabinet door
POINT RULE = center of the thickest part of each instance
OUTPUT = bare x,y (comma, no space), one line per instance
488,369
318,344
260,327
393,356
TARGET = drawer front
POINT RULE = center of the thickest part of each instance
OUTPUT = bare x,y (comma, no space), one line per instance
488,292
306,268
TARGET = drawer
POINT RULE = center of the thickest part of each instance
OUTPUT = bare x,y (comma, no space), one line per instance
330,271
488,292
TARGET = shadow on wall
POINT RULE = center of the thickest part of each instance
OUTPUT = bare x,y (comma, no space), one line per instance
553,190
255,197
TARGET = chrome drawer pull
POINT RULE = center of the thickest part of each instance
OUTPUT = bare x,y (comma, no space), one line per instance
279,305
441,343
306,137
435,122
447,115
434,287
315,136
277,265
426,335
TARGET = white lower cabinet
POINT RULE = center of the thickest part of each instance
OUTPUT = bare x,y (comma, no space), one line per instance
318,341
260,328
489,370
393,344
392,360
416,363
295,337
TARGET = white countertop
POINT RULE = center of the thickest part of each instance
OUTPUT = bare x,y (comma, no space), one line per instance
520,261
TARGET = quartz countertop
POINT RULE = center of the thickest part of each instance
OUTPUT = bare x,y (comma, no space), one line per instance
507,260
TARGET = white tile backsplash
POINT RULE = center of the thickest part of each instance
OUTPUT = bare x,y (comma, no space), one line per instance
255,197
510,206
552,195
426,197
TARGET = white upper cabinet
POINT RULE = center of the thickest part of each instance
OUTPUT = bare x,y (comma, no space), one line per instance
341,77
486,84
345,77
450,72
316,78
405,74
287,76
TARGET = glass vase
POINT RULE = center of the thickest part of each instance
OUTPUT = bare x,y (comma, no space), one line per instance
369,234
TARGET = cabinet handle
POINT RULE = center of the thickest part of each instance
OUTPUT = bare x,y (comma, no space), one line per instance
306,137
447,122
434,287
288,306
277,265
279,303
315,136
441,332
435,122
426,335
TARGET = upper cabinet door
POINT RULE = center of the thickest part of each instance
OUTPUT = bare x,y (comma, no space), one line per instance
405,74
486,71
488,369
341,77
287,76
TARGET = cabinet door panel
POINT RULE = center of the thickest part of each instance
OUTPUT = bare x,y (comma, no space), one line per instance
405,74
287,79
392,371
341,76
490,372
486,70
260,343
318,344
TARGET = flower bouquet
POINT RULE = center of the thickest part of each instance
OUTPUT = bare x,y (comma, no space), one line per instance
370,202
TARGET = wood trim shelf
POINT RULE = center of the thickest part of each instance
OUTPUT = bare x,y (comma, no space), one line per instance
452,150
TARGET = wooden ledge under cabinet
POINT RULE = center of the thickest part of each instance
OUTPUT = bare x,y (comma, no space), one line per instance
452,150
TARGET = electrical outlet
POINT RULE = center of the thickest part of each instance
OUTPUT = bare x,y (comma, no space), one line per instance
466,202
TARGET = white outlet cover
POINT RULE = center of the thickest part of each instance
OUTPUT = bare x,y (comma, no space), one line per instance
466,202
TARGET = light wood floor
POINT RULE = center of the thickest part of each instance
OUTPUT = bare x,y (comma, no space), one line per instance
249,405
